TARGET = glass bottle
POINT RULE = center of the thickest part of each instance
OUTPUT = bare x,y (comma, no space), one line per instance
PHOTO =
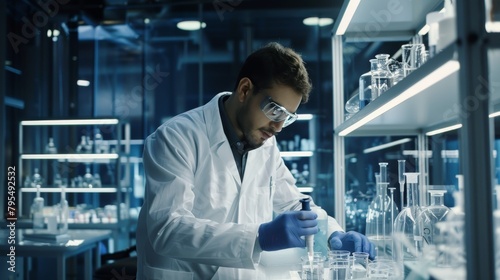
63,212
431,215
382,78
37,210
51,148
406,230
37,179
450,245
365,90
88,180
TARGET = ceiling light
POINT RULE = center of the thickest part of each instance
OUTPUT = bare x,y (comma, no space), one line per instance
386,145
424,30
444,129
83,83
347,16
312,21
191,25
494,115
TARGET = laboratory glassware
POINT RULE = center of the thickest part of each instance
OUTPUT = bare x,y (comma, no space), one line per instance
359,265
405,225
382,78
321,238
379,221
352,105
365,91
51,148
401,179
413,57
37,179
431,215
63,212
37,210
450,246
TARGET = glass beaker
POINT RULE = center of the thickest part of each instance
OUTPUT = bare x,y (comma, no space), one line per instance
382,78
365,92
405,225
413,57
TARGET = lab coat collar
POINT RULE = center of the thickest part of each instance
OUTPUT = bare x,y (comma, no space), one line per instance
220,145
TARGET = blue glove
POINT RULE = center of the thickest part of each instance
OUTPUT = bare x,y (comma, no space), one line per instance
351,241
286,229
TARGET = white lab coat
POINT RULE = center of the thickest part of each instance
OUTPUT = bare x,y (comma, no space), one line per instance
199,219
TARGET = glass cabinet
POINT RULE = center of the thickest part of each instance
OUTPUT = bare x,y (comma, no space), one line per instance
446,110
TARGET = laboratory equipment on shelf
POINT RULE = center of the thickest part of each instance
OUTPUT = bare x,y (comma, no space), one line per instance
382,78
63,212
413,56
37,210
51,148
380,216
401,179
365,91
352,105
450,246
431,215
406,240
37,179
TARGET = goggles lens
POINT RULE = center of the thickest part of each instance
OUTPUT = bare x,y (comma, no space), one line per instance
276,112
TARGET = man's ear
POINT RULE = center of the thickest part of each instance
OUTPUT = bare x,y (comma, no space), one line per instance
244,89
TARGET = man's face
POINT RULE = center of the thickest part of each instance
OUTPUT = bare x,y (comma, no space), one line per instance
278,102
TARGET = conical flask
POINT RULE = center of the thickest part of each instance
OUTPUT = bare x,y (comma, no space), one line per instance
406,229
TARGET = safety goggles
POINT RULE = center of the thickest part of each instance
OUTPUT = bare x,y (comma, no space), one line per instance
276,112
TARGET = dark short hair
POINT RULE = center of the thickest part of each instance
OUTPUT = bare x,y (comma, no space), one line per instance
275,64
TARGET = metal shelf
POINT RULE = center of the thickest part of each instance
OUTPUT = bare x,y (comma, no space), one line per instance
91,158
74,190
384,20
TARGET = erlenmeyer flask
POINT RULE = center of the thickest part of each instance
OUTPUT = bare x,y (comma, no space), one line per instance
365,92
405,226
382,78
379,223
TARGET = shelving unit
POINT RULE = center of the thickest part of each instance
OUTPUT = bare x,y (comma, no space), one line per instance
307,155
453,89
117,187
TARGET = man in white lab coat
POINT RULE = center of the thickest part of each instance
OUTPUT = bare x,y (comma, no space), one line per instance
215,180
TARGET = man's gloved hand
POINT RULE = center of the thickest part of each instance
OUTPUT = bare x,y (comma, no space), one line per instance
351,241
286,229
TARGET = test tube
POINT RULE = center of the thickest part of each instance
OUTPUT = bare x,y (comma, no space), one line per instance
401,179
383,172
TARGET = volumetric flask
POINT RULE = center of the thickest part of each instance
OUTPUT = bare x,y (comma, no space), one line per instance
413,57
406,229
379,223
